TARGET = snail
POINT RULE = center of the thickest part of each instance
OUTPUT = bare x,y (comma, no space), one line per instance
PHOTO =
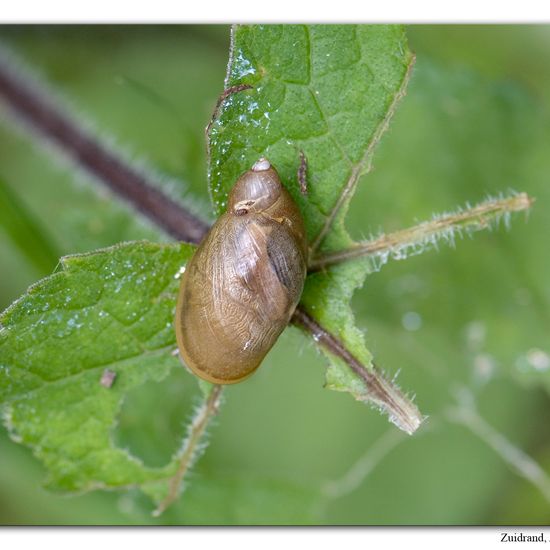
242,285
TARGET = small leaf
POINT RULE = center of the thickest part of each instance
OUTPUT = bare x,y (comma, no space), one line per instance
111,310
329,91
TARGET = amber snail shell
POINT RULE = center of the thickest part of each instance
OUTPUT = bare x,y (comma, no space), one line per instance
244,281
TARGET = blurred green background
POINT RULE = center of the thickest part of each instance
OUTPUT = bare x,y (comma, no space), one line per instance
471,320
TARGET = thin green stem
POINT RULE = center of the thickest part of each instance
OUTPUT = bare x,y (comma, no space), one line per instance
191,446
426,235
467,415
361,469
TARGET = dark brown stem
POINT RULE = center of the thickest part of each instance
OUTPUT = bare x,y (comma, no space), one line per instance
380,391
47,120
302,174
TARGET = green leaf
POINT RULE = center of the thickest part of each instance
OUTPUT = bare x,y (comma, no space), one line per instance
112,309
329,91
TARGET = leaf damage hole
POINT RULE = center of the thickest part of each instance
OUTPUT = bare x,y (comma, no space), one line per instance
152,420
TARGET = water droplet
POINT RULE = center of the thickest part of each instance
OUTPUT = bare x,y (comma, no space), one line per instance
411,321
475,333
534,358
179,272
538,359
484,366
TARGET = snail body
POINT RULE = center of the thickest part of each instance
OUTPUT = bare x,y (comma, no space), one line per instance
243,283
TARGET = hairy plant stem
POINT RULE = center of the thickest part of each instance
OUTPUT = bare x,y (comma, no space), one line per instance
45,118
381,392
191,445
426,234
